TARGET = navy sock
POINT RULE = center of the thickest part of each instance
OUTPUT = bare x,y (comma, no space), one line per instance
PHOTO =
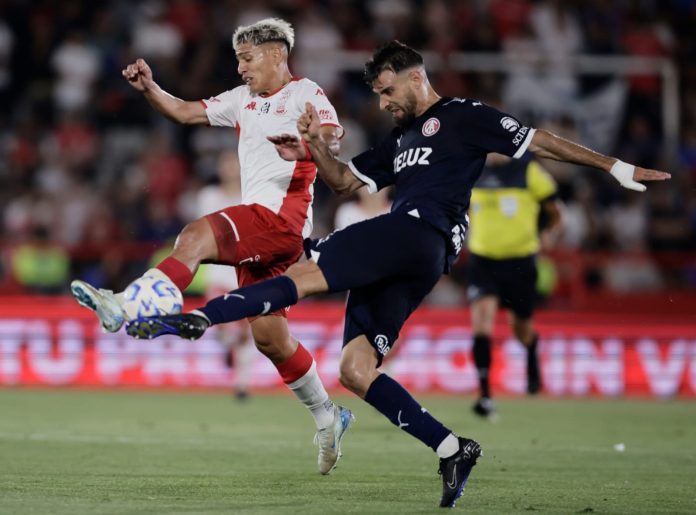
258,299
395,403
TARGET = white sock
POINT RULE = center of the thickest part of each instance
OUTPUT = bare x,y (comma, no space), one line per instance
156,272
310,391
153,272
199,313
448,446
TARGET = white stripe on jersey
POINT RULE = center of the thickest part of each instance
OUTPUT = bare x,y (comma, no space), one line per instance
234,227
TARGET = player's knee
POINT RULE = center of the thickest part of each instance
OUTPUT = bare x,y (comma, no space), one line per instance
272,339
354,379
308,278
196,241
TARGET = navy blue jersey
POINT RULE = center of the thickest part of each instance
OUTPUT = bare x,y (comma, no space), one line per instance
435,161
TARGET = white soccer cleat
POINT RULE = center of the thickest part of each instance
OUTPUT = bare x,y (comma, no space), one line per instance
102,302
329,439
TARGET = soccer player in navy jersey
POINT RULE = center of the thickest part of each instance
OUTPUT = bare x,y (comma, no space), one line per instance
389,263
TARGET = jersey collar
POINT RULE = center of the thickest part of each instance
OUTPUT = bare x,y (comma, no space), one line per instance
266,95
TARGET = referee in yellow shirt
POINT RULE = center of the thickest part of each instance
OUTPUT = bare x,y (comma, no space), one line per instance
504,240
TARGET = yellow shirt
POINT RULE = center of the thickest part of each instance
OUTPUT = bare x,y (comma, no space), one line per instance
504,210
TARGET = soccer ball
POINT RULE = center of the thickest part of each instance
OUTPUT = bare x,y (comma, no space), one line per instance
150,296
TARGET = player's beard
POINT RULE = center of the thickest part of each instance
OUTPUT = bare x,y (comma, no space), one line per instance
408,111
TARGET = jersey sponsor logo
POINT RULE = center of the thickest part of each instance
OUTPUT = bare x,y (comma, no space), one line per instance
325,114
382,344
457,237
520,136
430,127
509,124
251,106
411,157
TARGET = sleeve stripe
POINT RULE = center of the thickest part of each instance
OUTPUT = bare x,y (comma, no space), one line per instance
525,144
371,185
204,104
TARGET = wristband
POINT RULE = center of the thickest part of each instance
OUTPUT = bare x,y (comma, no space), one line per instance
623,172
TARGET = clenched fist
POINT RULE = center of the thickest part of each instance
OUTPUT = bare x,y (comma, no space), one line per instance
139,75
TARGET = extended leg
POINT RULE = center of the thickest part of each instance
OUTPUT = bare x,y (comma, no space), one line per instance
457,455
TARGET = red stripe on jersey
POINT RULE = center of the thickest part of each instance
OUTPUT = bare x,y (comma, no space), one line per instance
238,129
298,198
204,104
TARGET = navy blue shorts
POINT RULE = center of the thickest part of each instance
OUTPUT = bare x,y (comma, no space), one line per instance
389,264
513,281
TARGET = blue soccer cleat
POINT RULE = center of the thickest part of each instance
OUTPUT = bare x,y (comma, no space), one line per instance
185,325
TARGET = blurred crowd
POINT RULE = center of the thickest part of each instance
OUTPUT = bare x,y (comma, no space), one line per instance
86,164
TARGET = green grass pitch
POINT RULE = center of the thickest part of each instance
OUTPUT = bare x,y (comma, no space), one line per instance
118,452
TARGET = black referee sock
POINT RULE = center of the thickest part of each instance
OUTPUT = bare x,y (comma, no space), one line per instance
482,360
533,371
258,299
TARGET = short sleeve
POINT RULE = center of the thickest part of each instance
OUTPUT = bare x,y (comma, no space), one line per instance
495,131
375,166
222,109
539,182
313,94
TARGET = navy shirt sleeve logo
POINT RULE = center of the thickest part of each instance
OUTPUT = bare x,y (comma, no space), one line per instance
509,124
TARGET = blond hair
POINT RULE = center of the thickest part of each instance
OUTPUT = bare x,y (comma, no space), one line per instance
264,31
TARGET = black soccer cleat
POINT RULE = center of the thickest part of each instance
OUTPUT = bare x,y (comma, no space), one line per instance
455,471
484,407
185,325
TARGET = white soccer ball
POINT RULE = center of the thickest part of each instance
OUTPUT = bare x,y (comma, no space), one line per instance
151,296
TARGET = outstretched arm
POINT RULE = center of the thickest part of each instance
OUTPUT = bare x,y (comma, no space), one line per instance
548,145
139,75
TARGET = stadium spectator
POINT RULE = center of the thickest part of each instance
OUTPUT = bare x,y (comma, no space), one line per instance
366,206
219,279
39,265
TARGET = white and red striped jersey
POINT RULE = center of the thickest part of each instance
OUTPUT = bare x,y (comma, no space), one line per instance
284,187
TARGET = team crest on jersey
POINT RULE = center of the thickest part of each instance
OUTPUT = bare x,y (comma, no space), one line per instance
430,127
280,108
509,124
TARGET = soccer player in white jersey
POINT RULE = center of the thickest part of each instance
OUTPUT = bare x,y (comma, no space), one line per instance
263,236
